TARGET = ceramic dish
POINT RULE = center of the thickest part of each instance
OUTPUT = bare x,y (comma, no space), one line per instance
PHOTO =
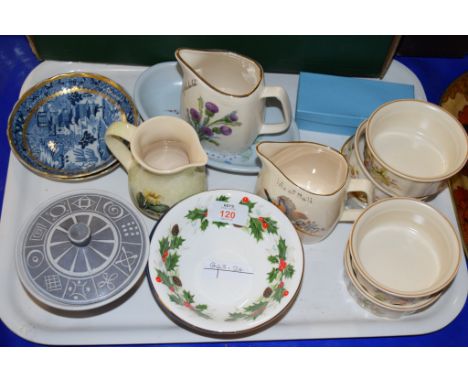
385,298
373,303
413,147
358,165
405,248
455,101
225,263
158,91
81,251
57,128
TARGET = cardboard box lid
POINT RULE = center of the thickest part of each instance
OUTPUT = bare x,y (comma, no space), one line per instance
344,101
359,55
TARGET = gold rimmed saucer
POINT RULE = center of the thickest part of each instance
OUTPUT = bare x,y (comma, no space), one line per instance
57,127
225,263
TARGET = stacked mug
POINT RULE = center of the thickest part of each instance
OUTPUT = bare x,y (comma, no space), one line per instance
402,254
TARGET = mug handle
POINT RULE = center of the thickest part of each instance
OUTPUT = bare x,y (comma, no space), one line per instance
115,136
357,185
280,94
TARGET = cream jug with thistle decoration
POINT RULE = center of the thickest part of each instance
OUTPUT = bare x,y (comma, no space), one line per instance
165,161
223,98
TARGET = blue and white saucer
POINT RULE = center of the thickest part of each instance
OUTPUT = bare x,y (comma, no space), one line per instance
81,251
157,92
57,128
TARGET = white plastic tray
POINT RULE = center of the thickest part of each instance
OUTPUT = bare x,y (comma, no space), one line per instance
323,309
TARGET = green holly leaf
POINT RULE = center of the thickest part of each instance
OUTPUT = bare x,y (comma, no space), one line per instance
201,314
256,309
272,226
236,316
288,272
172,261
249,204
163,245
273,259
278,294
204,224
255,306
222,198
176,298
282,248
201,307
220,224
195,214
256,229
272,275
188,296
176,242
165,279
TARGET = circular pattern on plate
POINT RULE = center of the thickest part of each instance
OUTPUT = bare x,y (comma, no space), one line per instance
228,277
82,251
57,128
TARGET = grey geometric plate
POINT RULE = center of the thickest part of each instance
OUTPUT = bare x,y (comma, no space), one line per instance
82,251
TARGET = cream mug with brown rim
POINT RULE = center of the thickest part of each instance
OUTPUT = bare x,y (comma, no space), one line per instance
309,182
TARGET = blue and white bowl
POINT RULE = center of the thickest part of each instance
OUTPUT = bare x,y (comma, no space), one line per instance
57,128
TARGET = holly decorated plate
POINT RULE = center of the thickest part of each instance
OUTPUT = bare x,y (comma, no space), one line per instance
225,263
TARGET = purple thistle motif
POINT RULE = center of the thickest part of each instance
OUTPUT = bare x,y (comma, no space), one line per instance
207,131
211,107
225,130
233,116
195,115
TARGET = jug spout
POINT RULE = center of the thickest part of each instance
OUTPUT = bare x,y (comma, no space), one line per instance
224,72
270,152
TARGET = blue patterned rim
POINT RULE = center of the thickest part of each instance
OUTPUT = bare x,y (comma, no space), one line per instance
57,128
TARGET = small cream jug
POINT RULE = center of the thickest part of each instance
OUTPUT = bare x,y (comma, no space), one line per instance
223,98
165,162
309,182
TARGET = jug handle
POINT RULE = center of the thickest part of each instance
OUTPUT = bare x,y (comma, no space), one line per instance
357,185
280,94
116,134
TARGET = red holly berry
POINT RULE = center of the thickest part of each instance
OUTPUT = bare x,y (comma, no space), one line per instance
187,304
164,256
261,219
245,199
264,225
285,293
158,279
282,265
171,289
281,284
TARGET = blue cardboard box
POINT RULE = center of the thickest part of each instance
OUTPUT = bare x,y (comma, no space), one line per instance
337,105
